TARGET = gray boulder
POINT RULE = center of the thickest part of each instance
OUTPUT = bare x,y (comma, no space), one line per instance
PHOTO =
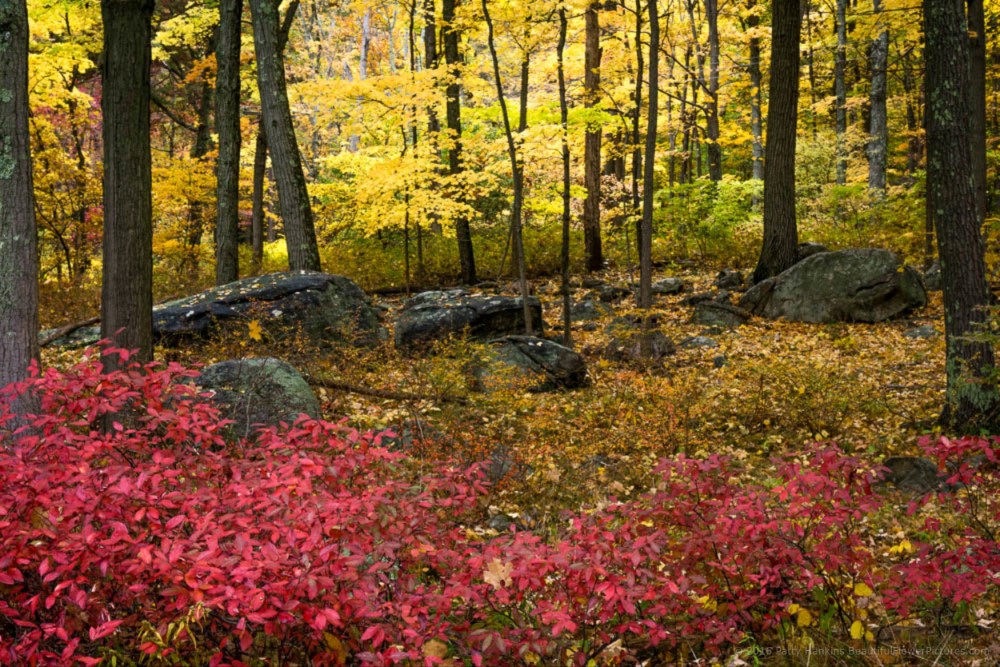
719,314
588,309
728,279
808,250
698,342
82,337
255,392
922,332
540,364
628,348
668,286
613,293
859,285
432,316
327,308
932,278
913,473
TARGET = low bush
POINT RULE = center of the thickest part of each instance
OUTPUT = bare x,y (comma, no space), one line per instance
131,531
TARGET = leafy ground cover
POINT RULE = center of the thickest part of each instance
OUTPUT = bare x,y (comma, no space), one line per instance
671,513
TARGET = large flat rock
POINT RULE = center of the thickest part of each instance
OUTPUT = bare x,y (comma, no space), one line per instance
857,285
327,308
432,316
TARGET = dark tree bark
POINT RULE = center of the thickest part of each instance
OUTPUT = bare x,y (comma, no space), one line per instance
780,231
636,118
18,239
972,397
878,140
712,90
286,161
453,113
430,58
592,141
564,122
200,148
127,283
977,101
260,163
257,202
840,90
516,166
227,125
756,95
646,238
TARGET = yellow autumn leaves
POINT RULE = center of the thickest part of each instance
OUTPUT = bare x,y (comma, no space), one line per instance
862,591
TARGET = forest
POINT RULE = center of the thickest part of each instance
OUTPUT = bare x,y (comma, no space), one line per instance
492,332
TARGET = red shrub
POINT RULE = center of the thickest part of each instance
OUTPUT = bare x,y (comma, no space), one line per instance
312,543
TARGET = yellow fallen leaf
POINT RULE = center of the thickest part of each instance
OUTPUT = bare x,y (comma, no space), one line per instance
254,330
435,648
857,630
497,574
862,590
804,618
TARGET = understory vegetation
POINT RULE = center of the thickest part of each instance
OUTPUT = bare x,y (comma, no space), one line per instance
722,506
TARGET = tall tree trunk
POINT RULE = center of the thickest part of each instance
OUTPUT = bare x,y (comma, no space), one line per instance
516,166
127,282
756,95
453,113
810,64
257,215
840,91
286,162
354,141
18,238
202,144
977,101
430,58
636,118
712,111
260,162
227,125
592,141
780,232
646,241
564,123
972,397
878,139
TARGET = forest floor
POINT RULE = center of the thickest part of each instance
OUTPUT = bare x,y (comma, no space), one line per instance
770,387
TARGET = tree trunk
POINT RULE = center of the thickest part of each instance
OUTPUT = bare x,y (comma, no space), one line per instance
878,140
977,101
202,144
257,215
636,118
646,240
780,231
127,283
227,125
592,141
453,113
18,244
972,397
286,162
430,58
756,95
840,91
515,164
712,111
564,122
